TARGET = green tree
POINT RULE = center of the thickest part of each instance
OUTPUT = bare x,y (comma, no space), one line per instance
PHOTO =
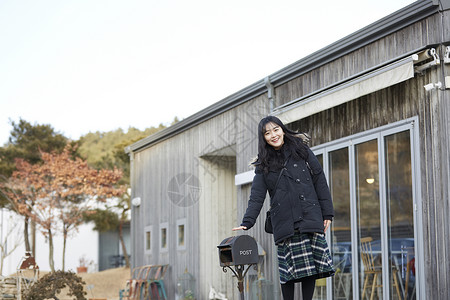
104,220
98,148
25,142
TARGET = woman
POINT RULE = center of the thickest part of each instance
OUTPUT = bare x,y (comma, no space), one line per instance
301,206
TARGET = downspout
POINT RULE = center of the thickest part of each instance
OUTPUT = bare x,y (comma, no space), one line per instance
133,224
270,93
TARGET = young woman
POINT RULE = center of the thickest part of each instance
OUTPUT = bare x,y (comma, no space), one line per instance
301,206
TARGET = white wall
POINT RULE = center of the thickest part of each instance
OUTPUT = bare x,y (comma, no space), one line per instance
85,242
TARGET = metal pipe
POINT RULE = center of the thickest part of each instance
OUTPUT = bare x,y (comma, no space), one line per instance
270,93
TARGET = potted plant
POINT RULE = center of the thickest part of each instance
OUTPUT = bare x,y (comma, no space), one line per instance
84,263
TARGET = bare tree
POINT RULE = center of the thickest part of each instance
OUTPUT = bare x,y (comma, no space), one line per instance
10,238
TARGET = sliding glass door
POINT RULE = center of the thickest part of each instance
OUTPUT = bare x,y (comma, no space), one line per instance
368,218
372,240
341,226
400,213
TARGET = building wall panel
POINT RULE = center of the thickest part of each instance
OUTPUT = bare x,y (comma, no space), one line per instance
411,38
221,204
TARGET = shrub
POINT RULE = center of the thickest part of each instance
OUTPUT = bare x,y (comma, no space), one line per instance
50,286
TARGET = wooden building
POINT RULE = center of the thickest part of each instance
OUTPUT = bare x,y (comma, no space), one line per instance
377,106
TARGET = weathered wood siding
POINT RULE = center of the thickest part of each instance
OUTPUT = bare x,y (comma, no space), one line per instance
390,105
217,210
209,220
407,40
221,205
435,169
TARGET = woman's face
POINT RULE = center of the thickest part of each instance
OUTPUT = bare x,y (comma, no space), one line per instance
274,135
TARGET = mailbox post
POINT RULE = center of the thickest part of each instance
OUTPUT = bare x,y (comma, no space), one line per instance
238,251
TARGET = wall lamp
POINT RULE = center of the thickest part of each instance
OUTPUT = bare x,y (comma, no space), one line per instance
431,86
136,201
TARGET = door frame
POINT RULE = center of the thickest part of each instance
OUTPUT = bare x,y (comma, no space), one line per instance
379,134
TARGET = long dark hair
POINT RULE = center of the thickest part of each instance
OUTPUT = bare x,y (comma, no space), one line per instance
267,155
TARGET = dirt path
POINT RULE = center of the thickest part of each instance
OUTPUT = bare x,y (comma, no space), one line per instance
105,284
101,285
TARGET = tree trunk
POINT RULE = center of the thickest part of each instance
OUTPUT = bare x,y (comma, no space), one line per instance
2,258
25,234
50,252
64,249
33,238
124,249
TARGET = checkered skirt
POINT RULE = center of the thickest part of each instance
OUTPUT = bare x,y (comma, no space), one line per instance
303,255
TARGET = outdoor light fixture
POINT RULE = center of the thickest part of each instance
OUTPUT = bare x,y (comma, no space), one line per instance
431,86
423,56
370,180
136,201
447,55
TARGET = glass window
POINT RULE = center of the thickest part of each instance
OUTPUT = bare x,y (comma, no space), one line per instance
320,159
372,235
321,284
339,179
164,237
148,239
369,223
181,234
399,197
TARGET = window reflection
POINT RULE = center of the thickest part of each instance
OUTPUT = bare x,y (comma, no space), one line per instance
181,235
369,224
164,238
148,240
321,283
354,175
400,213
340,227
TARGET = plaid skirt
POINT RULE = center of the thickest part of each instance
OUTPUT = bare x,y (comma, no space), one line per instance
303,255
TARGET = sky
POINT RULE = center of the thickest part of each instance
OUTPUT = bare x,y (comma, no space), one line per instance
99,65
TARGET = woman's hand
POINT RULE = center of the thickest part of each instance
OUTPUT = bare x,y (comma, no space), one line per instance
239,228
326,224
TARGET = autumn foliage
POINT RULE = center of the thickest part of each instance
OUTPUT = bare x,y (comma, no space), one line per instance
57,192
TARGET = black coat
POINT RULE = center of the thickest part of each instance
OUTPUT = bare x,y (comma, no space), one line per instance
302,200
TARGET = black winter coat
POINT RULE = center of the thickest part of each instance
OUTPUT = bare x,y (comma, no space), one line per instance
302,200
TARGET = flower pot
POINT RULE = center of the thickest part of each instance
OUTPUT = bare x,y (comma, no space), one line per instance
81,269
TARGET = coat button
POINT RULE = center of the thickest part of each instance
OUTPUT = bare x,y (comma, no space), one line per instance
307,179
297,180
302,197
295,165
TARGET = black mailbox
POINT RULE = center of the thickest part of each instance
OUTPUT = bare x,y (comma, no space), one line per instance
238,250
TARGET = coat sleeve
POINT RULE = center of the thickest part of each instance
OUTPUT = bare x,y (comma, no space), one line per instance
321,186
257,196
